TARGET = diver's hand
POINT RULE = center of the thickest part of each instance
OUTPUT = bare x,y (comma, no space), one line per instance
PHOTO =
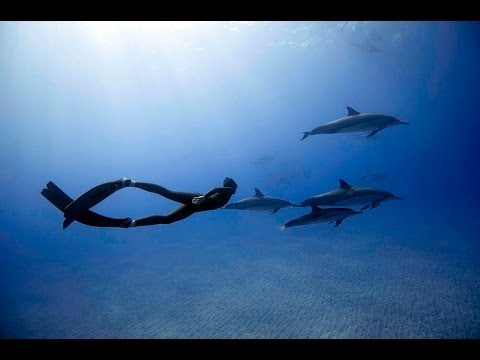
198,199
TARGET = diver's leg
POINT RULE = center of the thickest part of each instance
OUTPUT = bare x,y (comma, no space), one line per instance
176,215
91,218
93,196
181,197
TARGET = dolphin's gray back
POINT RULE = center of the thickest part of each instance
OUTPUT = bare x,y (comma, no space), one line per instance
259,203
352,196
364,190
360,122
325,198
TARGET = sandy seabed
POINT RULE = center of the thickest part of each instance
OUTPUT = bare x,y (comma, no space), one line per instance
301,284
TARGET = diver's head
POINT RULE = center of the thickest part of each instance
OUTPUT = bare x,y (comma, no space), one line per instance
228,182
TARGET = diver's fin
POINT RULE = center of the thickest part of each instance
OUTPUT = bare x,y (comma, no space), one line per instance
375,204
338,222
306,134
56,196
258,193
93,196
67,221
352,111
344,185
366,207
60,200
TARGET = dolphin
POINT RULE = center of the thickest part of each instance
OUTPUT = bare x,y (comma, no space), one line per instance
356,122
366,46
259,202
374,35
374,177
319,215
347,195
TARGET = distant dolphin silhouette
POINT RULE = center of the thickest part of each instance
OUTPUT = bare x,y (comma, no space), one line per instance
374,177
259,202
356,122
347,195
366,46
319,215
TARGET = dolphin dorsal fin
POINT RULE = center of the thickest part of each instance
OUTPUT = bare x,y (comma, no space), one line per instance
352,111
344,184
316,209
258,193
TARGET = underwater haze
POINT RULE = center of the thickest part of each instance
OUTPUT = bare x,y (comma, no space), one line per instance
185,104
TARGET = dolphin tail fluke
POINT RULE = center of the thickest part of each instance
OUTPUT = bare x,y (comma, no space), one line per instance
282,227
305,135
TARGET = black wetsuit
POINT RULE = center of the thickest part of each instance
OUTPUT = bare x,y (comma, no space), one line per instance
214,199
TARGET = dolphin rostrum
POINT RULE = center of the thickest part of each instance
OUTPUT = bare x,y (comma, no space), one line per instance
259,202
319,215
347,195
356,122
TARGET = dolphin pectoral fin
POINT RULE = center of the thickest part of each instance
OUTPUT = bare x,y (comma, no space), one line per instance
374,132
305,134
282,227
375,204
338,222
275,210
366,207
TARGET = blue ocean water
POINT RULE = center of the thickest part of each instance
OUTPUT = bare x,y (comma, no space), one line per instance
185,104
